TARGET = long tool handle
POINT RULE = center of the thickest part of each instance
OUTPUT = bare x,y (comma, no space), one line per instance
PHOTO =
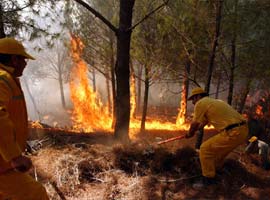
172,139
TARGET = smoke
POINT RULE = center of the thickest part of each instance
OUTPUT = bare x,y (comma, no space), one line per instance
45,104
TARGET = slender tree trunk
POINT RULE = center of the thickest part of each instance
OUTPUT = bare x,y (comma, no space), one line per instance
2,29
243,96
214,46
218,85
132,93
113,82
108,94
62,94
145,99
139,93
112,67
181,117
31,97
122,71
233,53
186,82
232,68
94,80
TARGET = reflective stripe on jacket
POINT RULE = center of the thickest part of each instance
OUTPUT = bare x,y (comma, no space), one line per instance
13,118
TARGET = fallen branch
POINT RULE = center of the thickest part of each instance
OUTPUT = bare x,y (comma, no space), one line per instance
43,176
58,191
178,179
171,139
98,179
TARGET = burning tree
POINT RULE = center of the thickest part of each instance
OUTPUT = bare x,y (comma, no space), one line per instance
122,70
258,117
88,112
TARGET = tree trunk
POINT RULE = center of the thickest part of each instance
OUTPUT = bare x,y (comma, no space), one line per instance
132,93
139,93
122,71
94,80
31,96
232,68
233,50
145,99
112,64
186,82
113,92
62,94
214,46
243,96
2,29
108,94
181,117
218,84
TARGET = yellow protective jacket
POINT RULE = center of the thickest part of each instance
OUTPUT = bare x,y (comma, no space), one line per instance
13,118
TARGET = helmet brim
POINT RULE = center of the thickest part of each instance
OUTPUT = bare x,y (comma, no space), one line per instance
192,96
28,56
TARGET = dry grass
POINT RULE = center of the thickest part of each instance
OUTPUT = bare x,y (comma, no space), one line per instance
140,171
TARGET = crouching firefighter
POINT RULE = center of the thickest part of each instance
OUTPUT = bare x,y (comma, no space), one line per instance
258,146
15,182
230,124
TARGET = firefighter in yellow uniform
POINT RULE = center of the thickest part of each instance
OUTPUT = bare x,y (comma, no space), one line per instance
15,182
232,129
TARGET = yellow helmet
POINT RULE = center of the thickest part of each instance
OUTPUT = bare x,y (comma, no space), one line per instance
253,139
13,47
196,91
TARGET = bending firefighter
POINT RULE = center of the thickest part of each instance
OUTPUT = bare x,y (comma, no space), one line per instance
232,129
258,146
15,182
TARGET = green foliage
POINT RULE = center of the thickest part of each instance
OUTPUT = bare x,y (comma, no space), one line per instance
99,41
32,18
180,32
250,22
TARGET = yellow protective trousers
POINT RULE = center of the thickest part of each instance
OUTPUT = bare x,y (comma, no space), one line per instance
215,149
20,186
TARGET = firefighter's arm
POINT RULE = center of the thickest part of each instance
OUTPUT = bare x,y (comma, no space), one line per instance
8,146
249,147
194,126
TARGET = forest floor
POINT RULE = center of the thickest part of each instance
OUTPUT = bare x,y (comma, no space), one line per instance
94,167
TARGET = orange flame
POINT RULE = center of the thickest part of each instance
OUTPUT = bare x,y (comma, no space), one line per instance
181,117
36,124
132,97
89,113
259,110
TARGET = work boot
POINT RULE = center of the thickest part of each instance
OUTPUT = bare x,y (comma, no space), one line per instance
223,171
205,182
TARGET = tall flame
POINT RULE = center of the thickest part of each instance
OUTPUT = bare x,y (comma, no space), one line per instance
89,113
181,117
132,97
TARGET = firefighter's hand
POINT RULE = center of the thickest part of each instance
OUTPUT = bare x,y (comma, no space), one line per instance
189,135
21,163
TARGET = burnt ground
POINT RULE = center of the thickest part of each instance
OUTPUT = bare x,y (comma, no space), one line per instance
93,166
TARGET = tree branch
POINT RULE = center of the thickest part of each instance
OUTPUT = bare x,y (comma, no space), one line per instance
149,14
98,15
19,8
